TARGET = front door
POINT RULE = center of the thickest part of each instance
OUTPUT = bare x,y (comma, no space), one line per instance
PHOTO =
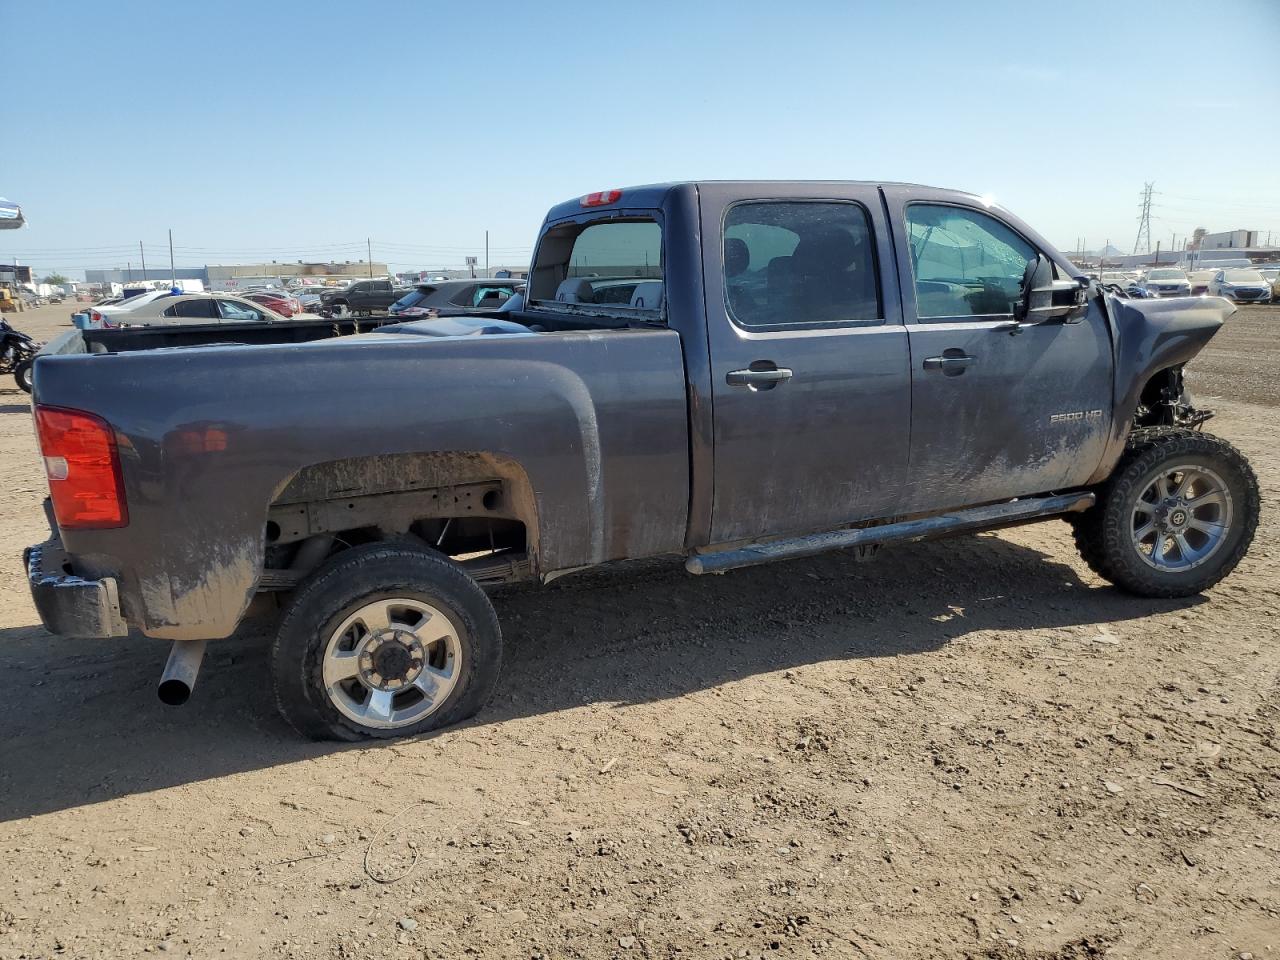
998,410
810,379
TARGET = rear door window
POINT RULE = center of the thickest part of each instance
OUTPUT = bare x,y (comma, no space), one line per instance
463,297
800,263
204,308
415,297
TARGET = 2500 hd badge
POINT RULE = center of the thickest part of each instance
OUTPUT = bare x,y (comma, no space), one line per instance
1075,415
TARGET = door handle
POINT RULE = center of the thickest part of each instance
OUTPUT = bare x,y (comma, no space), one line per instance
756,379
950,364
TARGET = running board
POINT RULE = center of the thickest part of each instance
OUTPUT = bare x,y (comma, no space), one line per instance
961,521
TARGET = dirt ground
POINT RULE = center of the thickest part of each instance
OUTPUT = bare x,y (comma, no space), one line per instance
972,748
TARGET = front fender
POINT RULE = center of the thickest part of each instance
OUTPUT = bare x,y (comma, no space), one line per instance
1151,336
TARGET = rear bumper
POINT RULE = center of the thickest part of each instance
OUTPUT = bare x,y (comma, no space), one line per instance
71,606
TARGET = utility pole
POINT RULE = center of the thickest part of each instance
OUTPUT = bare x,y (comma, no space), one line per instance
1157,263
368,246
1144,219
144,260
130,269
486,253
173,274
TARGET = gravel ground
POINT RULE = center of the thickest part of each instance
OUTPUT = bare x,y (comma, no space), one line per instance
971,748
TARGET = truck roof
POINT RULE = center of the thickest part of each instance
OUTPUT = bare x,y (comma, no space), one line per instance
652,195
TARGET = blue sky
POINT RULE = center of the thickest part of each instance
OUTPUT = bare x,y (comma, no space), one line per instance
292,130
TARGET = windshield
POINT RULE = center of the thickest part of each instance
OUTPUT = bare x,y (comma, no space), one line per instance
1243,276
1166,275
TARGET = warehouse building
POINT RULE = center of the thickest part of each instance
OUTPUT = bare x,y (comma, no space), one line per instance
220,277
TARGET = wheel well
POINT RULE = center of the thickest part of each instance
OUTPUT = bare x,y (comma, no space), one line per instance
474,507
1164,402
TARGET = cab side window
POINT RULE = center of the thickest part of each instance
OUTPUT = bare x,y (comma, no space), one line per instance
792,264
966,263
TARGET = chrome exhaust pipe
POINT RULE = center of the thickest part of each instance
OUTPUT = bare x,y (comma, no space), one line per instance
179,677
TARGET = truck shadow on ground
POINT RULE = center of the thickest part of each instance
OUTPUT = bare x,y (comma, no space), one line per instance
82,723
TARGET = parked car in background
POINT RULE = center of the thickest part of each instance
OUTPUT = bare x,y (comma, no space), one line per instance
1240,285
1199,280
197,308
1167,282
308,297
1127,283
454,296
108,315
1272,276
282,303
362,296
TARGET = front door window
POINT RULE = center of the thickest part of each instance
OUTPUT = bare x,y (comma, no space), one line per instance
965,262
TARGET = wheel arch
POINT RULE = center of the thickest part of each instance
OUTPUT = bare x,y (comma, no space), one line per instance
395,495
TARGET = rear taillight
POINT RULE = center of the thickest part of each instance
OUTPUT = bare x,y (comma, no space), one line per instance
601,198
83,467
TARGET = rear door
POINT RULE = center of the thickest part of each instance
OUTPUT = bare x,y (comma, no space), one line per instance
809,361
997,411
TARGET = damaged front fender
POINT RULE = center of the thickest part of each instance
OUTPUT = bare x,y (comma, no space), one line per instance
1152,336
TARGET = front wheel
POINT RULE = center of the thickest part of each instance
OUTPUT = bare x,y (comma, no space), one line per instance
1176,516
386,641
23,374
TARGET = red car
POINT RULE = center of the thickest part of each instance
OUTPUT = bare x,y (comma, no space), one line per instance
281,303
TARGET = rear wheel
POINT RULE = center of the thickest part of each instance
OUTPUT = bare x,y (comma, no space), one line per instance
386,641
1176,516
23,374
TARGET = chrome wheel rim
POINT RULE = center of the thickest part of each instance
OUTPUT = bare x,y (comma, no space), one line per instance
392,663
1181,518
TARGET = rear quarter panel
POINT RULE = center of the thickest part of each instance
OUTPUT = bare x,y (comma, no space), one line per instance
209,437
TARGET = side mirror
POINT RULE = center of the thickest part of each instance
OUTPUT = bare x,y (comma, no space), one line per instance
1037,275
1045,298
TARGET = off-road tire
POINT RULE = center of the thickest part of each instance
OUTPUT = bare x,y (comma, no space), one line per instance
22,373
358,576
1104,534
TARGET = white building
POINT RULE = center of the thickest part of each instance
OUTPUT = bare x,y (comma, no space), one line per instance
1231,240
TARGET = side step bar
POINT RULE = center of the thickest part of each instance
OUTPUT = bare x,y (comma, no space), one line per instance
961,521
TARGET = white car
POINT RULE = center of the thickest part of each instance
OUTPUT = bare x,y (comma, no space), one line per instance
1240,285
196,308
1200,281
1272,275
1167,282
105,314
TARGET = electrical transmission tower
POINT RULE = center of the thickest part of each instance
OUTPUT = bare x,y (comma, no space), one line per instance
1144,220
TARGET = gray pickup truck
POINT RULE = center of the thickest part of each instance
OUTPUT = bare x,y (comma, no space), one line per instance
729,372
